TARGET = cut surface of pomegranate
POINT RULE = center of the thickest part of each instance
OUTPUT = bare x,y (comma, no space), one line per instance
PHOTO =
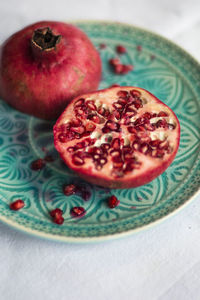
133,137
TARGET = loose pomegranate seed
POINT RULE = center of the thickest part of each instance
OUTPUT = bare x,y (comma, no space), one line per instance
118,68
16,205
49,158
37,164
126,69
69,189
102,46
113,202
139,48
59,220
152,57
114,61
121,49
77,212
56,213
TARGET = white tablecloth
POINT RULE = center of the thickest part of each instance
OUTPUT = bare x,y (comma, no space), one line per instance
159,263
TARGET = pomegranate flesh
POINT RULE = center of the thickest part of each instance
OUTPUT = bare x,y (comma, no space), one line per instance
120,137
45,65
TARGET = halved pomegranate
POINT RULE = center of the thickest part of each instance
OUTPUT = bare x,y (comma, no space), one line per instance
120,137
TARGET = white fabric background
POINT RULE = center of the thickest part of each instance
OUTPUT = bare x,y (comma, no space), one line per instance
162,262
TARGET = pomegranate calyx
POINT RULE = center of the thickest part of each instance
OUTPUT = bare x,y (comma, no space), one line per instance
44,39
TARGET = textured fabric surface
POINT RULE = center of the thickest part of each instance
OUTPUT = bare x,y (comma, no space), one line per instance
159,263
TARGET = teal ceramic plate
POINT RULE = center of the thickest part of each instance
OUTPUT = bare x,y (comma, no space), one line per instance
160,67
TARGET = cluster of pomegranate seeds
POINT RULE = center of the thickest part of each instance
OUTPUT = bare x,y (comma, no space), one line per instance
118,67
113,201
16,205
114,133
78,212
72,189
57,216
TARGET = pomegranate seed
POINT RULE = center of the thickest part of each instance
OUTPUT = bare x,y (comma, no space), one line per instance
37,164
79,130
152,57
162,123
56,213
150,127
113,202
91,105
59,220
69,189
111,126
115,153
16,205
132,129
155,143
118,69
77,212
122,94
95,119
136,146
162,114
115,143
90,127
121,49
135,93
139,48
117,105
77,160
126,69
144,148
71,149
102,46
79,102
105,147
49,158
159,154
146,115
114,61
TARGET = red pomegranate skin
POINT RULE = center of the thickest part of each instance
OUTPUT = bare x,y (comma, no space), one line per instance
150,166
42,83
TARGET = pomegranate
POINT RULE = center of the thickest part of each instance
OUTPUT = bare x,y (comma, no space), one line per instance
120,137
45,65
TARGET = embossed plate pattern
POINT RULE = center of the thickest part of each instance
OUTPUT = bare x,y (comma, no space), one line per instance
160,67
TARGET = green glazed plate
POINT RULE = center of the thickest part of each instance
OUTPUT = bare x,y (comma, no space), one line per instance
160,67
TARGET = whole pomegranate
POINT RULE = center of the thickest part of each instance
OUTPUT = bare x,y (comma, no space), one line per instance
120,137
45,65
